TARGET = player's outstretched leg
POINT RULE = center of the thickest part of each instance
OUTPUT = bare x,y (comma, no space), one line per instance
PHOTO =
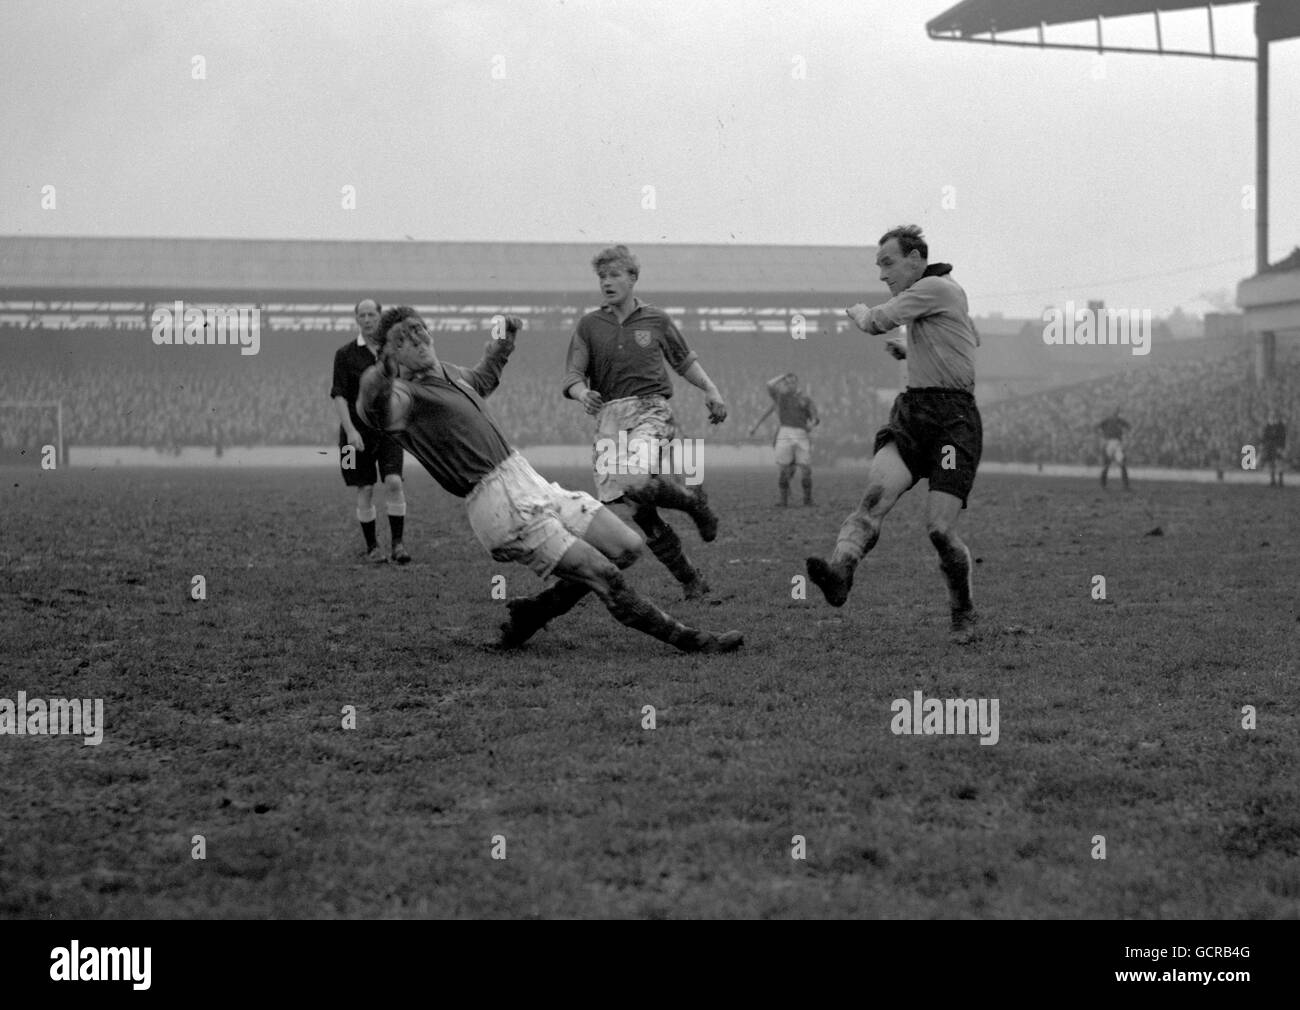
887,478
666,545
955,563
672,494
584,563
783,482
1105,467
805,480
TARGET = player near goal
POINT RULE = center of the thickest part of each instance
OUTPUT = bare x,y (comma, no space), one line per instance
796,417
367,456
436,412
1112,430
934,428
615,369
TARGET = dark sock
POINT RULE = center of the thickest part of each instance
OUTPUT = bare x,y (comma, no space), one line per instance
807,487
667,494
368,529
634,611
550,603
664,544
396,526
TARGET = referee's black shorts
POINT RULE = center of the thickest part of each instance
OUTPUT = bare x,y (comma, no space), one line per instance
381,457
923,424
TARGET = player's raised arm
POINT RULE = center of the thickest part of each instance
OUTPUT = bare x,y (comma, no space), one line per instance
383,402
486,375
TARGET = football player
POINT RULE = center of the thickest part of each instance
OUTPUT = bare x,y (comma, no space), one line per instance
436,412
1112,451
934,428
615,369
796,417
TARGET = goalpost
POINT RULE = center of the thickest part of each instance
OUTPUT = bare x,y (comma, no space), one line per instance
20,405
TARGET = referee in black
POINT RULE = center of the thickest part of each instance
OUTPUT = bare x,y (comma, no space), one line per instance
934,429
367,456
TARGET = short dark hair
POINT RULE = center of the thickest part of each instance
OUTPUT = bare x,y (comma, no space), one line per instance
357,307
617,256
389,319
909,239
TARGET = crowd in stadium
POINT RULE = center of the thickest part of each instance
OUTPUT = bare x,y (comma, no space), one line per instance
1192,414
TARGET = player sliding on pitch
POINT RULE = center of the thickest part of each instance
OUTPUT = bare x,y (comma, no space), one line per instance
934,428
436,412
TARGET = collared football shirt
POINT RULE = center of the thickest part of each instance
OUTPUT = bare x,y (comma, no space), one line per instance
941,336
448,427
794,410
627,359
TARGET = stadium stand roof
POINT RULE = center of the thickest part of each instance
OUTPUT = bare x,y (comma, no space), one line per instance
975,17
239,270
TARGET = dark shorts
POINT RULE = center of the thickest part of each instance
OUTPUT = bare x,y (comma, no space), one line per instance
382,456
923,424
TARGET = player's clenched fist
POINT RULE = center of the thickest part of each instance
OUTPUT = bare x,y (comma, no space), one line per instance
513,325
859,314
717,409
592,401
897,346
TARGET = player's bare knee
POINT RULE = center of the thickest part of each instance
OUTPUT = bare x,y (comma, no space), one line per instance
874,495
393,483
631,553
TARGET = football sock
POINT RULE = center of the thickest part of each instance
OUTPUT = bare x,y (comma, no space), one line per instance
396,526
807,485
534,612
635,611
664,544
783,482
366,517
955,563
668,494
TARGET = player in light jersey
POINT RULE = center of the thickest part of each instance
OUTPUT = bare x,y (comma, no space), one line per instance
436,412
615,369
934,429
796,417
1112,430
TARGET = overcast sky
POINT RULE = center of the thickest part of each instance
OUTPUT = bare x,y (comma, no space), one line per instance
1071,176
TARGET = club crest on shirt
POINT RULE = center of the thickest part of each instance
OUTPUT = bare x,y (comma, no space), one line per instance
643,337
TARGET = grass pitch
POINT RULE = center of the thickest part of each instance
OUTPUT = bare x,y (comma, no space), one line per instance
1119,718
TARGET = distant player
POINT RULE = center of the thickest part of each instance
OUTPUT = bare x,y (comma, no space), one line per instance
796,417
436,411
1273,448
373,455
1112,430
615,369
934,429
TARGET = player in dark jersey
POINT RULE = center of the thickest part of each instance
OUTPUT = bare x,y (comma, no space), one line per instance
1112,430
796,417
1273,446
436,411
934,428
367,456
615,369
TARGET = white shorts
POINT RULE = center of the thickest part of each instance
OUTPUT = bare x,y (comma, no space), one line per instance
793,446
1114,451
518,516
642,418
